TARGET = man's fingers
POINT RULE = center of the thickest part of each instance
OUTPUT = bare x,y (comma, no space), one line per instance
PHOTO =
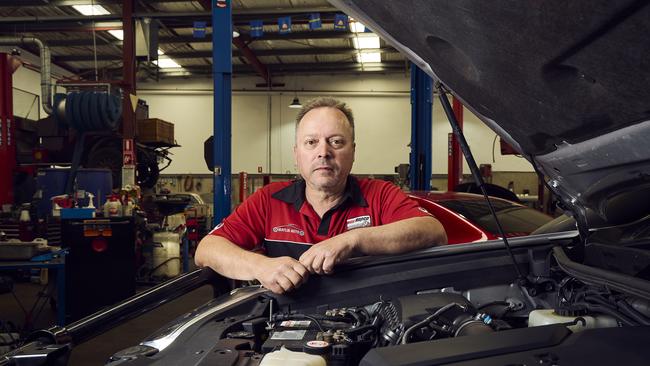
328,265
307,260
285,282
317,264
302,271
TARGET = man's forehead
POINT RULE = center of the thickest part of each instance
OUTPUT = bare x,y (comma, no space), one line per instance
324,115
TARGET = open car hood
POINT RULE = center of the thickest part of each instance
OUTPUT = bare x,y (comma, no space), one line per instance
565,83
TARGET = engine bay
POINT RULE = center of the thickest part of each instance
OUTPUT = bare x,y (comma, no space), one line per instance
370,316
352,335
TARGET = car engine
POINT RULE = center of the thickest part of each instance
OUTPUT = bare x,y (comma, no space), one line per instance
343,336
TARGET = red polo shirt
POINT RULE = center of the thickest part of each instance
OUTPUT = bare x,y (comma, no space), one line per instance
279,221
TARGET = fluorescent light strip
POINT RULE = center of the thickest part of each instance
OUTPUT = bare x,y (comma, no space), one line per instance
167,63
365,43
356,27
89,10
365,57
117,33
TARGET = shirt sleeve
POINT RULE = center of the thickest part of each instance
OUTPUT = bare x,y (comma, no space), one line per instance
396,205
245,226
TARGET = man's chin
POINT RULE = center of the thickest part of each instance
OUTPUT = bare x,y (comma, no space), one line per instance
323,183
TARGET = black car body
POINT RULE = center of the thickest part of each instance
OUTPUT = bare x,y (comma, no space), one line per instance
566,84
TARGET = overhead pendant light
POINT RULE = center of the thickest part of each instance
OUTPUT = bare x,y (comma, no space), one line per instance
295,104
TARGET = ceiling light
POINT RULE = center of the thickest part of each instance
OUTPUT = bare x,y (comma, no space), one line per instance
166,63
364,43
235,34
295,104
356,27
91,9
117,33
365,57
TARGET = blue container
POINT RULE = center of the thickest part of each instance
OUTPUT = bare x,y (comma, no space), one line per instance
97,181
50,182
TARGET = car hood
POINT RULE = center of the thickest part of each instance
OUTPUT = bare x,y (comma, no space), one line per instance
566,83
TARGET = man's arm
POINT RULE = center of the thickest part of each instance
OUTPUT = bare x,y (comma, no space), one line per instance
277,274
394,238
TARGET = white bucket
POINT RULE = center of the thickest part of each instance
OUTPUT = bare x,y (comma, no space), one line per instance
166,245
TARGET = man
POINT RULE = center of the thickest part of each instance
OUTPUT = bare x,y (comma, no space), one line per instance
287,230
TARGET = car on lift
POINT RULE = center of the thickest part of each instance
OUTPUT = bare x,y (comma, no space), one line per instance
565,84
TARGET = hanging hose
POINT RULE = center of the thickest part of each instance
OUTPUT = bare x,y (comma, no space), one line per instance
89,111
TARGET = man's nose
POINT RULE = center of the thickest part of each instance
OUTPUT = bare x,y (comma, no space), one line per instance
323,150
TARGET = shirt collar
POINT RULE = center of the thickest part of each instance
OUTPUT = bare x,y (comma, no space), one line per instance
295,193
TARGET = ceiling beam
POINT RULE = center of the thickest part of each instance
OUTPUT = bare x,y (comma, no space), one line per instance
237,53
268,36
252,59
184,19
332,67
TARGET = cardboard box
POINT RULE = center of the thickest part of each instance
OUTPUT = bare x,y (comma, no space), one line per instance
154,130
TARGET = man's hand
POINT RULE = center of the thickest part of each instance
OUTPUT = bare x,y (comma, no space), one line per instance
322,257
281,274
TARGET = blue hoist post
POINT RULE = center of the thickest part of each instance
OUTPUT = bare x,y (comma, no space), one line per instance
421,120
222,74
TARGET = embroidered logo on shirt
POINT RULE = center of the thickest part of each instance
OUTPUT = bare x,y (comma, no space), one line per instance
290,228
357,222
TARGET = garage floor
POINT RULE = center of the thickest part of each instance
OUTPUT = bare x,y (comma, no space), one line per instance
96,351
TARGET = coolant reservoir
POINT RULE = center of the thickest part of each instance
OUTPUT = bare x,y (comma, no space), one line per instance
549,316
284,357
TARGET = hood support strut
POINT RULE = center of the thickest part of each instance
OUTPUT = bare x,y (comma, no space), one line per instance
475,171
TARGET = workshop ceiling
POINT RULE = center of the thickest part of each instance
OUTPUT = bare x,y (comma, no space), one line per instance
84,45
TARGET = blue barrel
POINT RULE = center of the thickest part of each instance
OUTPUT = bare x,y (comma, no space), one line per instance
98,181
50,182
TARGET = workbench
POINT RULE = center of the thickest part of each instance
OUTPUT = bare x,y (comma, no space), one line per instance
57,264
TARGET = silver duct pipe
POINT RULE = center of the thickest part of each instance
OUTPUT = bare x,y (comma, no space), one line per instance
46,78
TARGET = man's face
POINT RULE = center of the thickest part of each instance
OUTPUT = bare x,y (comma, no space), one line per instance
324,148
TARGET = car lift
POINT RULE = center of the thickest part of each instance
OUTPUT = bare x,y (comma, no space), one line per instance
7,144
421,120
222,75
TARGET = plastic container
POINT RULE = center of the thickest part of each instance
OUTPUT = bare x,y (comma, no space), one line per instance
166,256
112,207
548,316
25,227
284,357
97,181
18,250
50,182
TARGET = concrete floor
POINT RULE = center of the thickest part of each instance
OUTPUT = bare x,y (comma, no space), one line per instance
97,350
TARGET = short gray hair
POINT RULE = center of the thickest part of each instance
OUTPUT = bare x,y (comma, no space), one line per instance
329,102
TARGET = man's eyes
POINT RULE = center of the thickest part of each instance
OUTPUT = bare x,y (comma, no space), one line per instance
334,142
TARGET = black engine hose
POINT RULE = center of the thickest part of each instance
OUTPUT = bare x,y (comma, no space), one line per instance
411,329
356,317
622,307
607,310
628,310
361,329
